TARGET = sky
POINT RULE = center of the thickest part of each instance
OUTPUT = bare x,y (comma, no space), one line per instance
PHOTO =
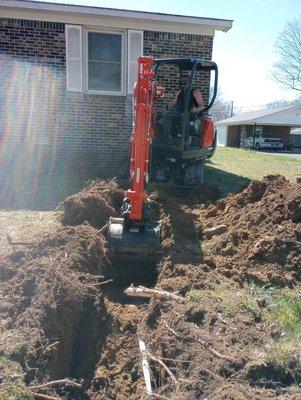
245,54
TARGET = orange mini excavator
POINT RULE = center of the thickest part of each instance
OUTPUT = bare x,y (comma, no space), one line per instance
179,142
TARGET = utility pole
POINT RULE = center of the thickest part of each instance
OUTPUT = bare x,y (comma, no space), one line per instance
231,108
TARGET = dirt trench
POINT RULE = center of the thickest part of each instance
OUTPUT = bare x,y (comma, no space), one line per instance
59,320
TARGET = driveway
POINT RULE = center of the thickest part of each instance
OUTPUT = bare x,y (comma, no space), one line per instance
292,154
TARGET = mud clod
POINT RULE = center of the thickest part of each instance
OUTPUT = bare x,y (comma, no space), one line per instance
216,230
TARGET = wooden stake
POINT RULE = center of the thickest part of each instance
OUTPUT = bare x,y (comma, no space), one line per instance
145,368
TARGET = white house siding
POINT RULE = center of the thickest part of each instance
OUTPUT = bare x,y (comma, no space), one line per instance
222,133
289,117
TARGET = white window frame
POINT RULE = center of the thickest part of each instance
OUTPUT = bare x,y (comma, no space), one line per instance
123,35
130,89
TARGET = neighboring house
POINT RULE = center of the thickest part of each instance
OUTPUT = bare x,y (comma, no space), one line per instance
275,123
67,74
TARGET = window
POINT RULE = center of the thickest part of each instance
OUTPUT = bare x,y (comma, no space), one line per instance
105,62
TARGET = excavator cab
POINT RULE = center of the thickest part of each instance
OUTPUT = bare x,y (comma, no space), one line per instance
184,140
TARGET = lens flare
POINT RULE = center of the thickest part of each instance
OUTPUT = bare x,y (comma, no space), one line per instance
29,127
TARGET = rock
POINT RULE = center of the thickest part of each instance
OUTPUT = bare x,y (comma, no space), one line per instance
216,230
228,251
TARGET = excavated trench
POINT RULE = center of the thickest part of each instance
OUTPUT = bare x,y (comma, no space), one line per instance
59,320
104,336
82,347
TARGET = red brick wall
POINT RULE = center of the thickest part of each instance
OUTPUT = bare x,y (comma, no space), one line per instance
40,121
177,45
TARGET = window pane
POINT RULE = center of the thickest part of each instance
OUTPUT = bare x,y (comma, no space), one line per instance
104,47
105,76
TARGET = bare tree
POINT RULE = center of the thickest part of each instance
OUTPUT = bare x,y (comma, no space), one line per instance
287,70
221,108
283,103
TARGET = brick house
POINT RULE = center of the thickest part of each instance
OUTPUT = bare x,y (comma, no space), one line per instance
67,74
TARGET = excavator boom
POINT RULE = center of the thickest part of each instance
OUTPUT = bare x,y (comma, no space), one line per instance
134,235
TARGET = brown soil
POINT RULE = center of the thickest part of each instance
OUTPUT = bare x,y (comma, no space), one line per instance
47,290
262,241
58,321
95,204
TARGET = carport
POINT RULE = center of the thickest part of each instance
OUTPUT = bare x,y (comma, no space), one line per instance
272,123
296,137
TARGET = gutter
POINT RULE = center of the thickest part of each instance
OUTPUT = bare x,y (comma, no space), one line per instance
76,10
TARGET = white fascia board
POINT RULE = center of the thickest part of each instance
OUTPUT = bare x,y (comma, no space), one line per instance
261,122
111,17
106,22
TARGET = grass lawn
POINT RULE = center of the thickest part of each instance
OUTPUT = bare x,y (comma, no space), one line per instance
25,225
230,168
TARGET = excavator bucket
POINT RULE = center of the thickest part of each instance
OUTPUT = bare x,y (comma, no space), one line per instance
133,243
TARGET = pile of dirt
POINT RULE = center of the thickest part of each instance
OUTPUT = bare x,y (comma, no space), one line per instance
261,237
211,342
59,320
95,204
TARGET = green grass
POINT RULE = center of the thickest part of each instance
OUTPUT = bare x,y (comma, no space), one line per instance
234,300
285,312
230,168
12,385
195,296
279,310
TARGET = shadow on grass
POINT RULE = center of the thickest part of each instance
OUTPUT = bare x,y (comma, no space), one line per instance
226,181
43,192
43,189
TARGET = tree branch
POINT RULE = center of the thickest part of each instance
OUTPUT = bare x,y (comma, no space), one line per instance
60,382
141,291
164,366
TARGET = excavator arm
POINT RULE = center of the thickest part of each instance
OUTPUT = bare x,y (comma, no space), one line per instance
144,92
135,236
